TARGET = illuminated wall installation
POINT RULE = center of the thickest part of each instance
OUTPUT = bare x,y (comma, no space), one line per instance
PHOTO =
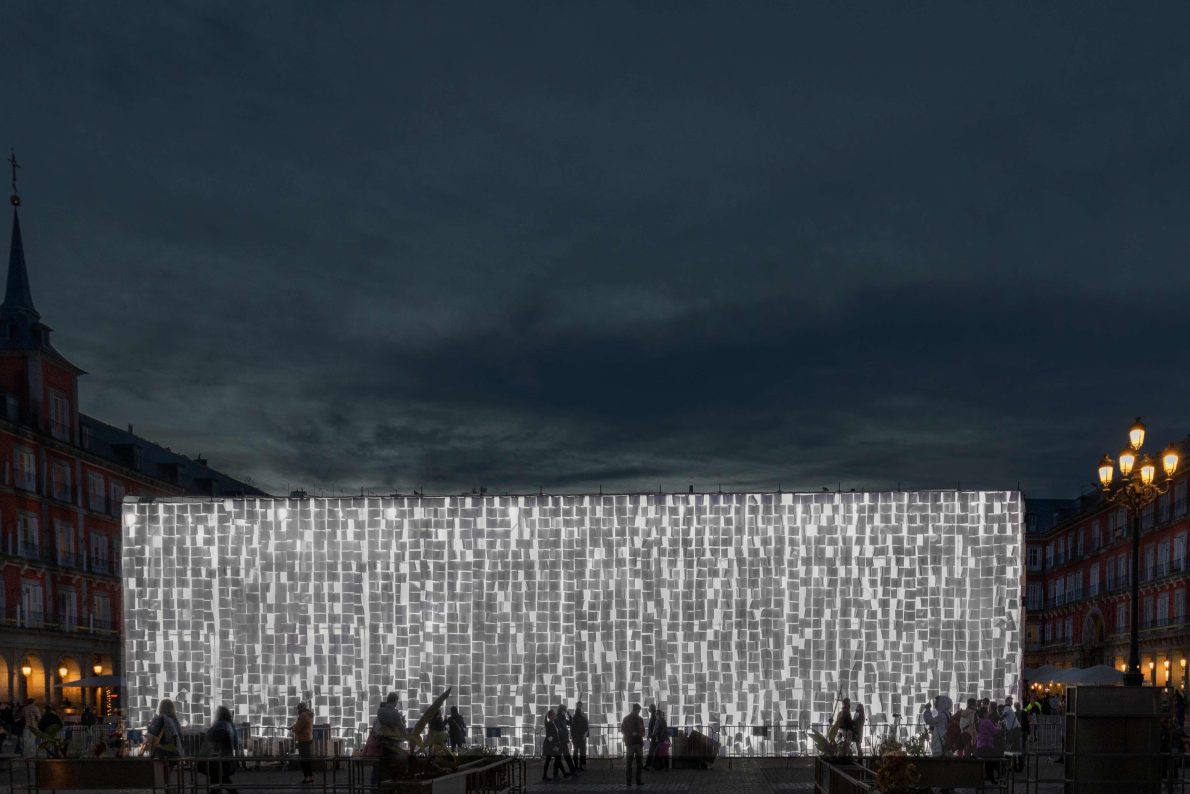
734,608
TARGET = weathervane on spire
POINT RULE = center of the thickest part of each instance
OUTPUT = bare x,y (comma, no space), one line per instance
15,199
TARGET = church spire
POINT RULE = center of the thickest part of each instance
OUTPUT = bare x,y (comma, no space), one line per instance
18,297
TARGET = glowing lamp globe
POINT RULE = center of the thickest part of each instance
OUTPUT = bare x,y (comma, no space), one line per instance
1136,434
1169,460
1127,460
63,672
1148,470
26,669
1106,469
97,668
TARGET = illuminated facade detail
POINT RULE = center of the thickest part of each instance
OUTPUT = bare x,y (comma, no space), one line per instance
727,608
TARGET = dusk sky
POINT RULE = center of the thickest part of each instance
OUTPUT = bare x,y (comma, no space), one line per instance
653,245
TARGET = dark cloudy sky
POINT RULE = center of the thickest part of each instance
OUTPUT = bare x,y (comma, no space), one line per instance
561,245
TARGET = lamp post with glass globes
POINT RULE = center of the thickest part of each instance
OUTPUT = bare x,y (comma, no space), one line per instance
1135,489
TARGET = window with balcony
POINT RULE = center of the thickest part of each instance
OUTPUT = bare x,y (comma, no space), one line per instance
1121,617
1096,536
67,552
32,603
1079,544
95,492
1179,552
1146,517
1179,498
1109,583
59,416
24,469
1121,520
1034,558
100,561
1033,596
1094,580
61,481
1163,507
28,536
103,612
68,615
1069,629
1163,609
1163,558
1049,631
117,497
1122,570
1148,607
1150,562
1049,555
1179,606
1060,592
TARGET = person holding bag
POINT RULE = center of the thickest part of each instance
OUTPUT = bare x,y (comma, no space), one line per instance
164,741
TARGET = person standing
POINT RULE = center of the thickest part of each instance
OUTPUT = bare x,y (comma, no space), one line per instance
391,729
633,730
857,728
164,740
938,718
303,734
456,726
88,719
563,720
657,739
551,748
579,727
649,734
223,739
985,744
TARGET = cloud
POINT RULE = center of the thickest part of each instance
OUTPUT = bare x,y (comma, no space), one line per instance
419,247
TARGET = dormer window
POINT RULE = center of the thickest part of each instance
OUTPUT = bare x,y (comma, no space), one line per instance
59,416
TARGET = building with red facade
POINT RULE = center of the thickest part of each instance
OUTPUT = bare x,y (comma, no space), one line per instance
1078,589
62,480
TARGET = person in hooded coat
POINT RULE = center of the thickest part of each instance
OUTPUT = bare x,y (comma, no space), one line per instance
456,726
938,718
579,727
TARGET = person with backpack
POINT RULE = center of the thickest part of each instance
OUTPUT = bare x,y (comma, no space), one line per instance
164,740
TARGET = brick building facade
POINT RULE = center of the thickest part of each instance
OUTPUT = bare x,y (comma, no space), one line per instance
63,476
1078,586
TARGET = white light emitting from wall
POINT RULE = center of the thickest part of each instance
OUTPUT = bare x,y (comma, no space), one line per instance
740,609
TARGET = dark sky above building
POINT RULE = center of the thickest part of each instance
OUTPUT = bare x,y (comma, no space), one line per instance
560,246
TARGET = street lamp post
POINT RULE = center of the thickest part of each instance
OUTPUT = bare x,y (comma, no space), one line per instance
1135,489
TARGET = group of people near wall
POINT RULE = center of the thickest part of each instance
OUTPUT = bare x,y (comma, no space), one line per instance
983,729
561,729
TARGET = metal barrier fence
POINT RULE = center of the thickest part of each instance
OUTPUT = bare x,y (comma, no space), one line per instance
189,775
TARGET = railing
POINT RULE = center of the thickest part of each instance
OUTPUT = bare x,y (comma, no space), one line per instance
70,559
102,565
30,551
193,775
1160,623
103,624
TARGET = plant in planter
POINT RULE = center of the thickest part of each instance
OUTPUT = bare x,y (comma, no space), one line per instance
895,773
837,750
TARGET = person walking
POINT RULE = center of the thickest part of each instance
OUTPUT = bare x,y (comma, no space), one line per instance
633,730
88,719
563,720
456,726
303,734
579,727
1013,732
551,748
223,740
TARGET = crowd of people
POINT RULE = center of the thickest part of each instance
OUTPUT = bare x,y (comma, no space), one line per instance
981,729
18,719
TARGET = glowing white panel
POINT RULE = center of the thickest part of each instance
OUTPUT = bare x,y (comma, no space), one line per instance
731,609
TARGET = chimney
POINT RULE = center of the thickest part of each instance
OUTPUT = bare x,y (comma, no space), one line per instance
130,427
200,460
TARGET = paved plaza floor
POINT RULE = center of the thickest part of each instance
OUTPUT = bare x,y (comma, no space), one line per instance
737,776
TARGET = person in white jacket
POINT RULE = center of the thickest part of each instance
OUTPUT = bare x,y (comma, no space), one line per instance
938,718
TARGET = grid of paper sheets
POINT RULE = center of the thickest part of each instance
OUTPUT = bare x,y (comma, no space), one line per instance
741,609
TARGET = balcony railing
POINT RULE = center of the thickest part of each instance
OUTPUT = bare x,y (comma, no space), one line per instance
70,559
30,551
1161,623
103,624
102,565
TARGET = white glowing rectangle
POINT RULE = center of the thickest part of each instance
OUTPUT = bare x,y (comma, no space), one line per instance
741,609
